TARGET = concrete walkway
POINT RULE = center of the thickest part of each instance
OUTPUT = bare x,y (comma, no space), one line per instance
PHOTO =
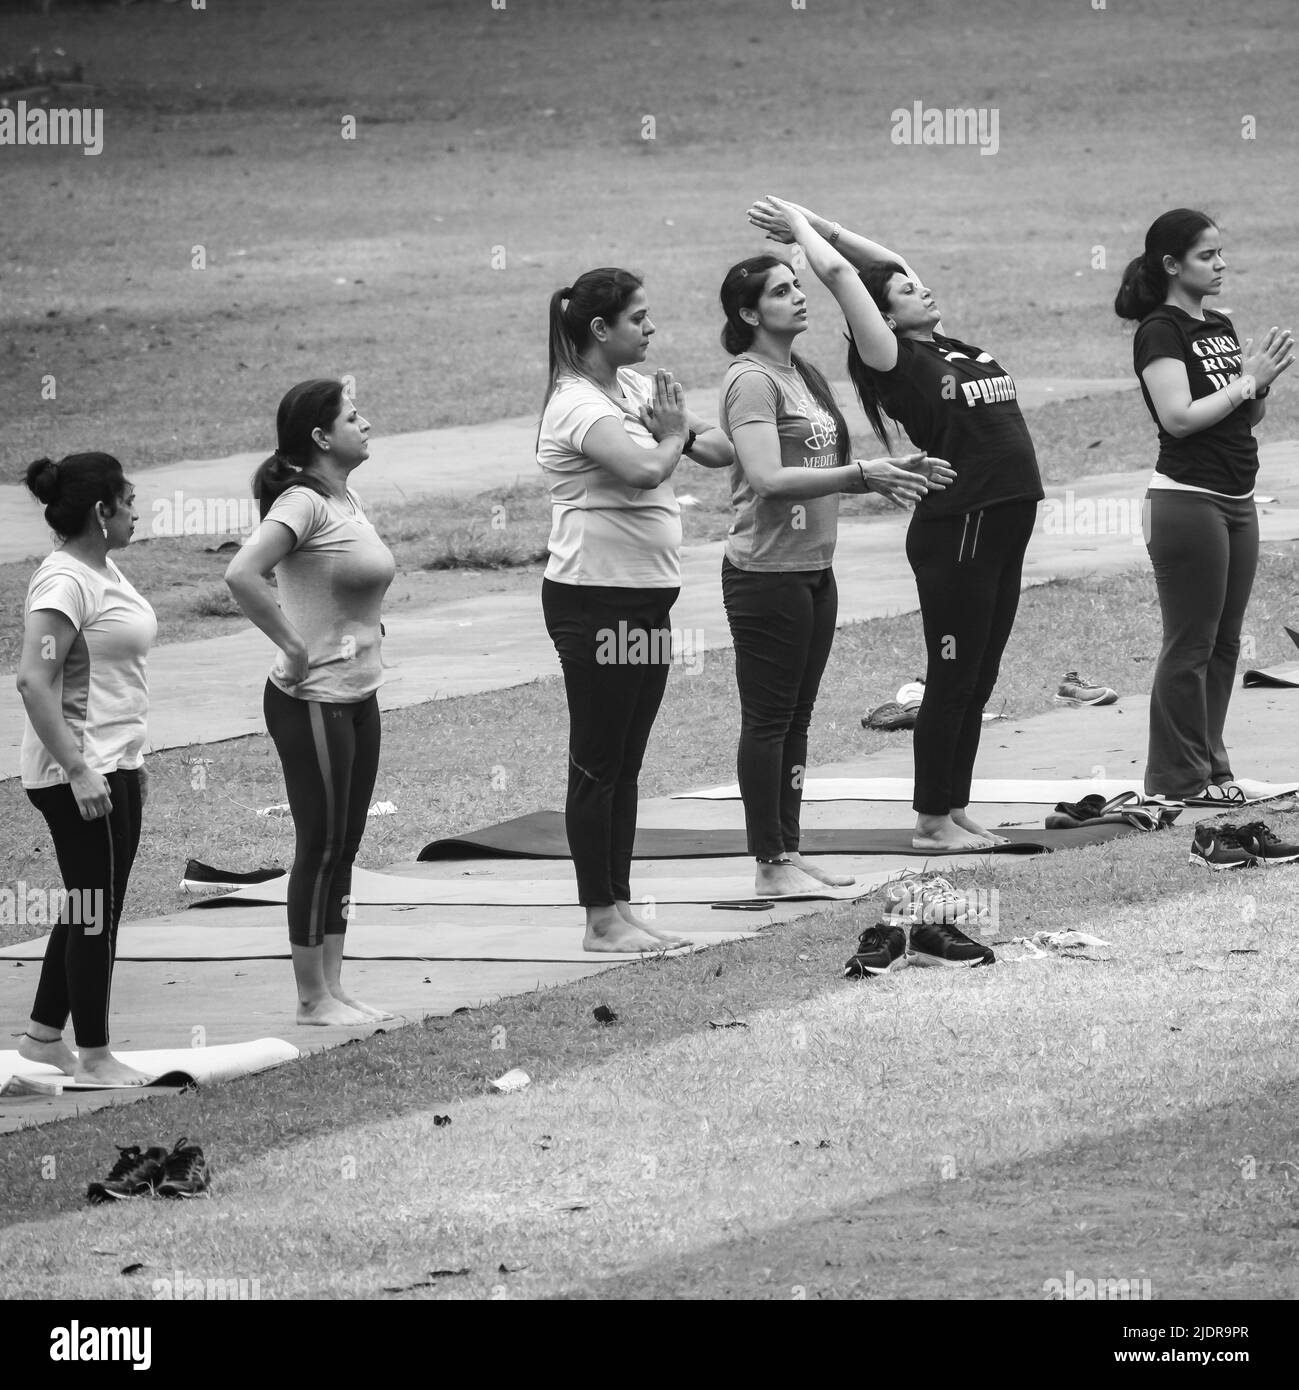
212,496
203,692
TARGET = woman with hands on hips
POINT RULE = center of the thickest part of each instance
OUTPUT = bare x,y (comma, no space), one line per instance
966,545
320,702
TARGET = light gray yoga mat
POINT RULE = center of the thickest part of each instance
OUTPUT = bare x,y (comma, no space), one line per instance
1029,791
384,889
414,941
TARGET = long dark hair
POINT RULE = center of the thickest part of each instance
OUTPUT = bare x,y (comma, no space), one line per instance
877,276
308,406
70,489
597,294
741,289
1144,286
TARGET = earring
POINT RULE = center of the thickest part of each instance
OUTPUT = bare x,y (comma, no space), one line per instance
104,529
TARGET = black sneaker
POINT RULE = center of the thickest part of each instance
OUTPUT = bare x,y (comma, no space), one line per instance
135,1174
880,950
200,877
1218,847
187,1172
940,943
1265,845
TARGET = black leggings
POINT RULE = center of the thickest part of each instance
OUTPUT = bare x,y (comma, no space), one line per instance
95,859
330,754
783,627
1204,551
615,647
968,570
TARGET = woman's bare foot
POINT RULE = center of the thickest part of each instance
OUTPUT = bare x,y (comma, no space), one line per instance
330,1013
942,833
54,1052
820,874
784,880
607,930
633,919
959,817
98,1065
378,1015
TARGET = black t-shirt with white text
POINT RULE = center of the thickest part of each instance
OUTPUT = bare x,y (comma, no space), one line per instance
1224,457
956,403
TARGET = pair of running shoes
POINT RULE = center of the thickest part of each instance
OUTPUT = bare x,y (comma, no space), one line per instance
920,923
154,1172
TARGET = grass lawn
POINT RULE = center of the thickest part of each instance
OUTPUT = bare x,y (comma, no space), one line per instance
969,1136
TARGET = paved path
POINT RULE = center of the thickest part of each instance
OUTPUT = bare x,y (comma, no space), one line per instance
203,692
212,496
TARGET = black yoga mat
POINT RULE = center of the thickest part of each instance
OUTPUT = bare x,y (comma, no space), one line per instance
541,836
1285,677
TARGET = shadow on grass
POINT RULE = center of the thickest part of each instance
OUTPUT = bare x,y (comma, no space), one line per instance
1202,1205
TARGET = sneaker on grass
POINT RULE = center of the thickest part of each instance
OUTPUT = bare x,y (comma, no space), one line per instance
187,1172
1220,847
135,1174
199,877
940,943
926,898
1073,690
1265,845
880,950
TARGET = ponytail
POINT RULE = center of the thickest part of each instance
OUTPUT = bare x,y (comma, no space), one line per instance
306,407
1144,286
598,294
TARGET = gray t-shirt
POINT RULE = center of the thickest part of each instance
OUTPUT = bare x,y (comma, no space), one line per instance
331,588
776,535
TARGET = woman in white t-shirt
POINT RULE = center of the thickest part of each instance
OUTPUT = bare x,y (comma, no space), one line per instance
82,677
609,441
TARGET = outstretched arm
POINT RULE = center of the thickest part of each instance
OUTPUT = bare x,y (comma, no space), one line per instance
860,251
874,338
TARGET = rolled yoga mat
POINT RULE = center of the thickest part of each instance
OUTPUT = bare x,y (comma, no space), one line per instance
172,1066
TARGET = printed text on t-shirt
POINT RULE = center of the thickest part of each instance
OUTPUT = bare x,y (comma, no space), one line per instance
1219,359
990,390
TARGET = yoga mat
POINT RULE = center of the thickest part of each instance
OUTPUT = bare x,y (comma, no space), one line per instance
541,836
171,1066
1284,677
1007,790
414,941
381,890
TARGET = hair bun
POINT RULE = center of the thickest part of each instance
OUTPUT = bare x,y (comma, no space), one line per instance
43,480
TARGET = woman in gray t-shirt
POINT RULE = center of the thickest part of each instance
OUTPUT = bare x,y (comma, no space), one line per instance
791,463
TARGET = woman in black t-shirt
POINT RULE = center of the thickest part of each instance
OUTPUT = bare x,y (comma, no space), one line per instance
1201,522
965,544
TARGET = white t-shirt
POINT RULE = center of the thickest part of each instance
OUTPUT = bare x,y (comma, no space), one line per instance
602,531
103,690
